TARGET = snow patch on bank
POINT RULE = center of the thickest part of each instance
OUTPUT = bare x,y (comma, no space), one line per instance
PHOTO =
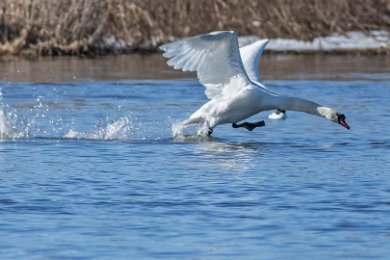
350,41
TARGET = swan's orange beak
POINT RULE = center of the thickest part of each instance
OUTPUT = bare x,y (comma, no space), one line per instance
341,120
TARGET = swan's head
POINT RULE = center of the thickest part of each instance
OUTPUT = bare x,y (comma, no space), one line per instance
333,116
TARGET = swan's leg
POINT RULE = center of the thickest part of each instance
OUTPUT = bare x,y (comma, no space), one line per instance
249,126
210,131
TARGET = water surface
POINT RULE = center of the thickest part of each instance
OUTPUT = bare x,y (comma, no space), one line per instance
89,167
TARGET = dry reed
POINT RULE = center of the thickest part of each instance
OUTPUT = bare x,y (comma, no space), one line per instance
86,27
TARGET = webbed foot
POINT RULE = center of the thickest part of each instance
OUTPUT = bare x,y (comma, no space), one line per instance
277,114
249,126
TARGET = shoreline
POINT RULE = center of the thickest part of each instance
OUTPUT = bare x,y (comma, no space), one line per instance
28,55
91,28
349,43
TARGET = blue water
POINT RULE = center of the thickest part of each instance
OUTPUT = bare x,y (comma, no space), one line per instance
90,170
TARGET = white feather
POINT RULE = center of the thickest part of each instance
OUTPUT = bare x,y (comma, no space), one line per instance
250,55
215,57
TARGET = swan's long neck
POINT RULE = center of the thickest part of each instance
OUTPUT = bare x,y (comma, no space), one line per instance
302,105
297,104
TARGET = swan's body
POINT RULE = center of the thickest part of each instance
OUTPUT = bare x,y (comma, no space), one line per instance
235,91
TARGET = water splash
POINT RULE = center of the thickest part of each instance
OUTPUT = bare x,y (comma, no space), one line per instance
177,129
14,127
7,126
120,129
183,133
5,129
203,130
61,112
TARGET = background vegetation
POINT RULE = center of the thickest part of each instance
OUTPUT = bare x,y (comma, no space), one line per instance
47,27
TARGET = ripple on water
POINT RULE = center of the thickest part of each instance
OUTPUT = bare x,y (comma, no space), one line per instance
106,166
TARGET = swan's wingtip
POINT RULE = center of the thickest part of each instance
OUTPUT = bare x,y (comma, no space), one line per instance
221,32
164,47
264,42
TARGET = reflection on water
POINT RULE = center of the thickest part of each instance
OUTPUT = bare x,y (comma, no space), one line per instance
222,154
153,66
230,156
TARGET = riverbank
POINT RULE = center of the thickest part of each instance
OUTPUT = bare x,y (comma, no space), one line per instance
89,28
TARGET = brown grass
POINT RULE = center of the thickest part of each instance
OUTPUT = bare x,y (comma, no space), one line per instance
79,27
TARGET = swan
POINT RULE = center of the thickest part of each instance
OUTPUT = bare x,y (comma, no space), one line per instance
233,95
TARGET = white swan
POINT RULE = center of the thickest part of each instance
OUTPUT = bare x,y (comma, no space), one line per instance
233,95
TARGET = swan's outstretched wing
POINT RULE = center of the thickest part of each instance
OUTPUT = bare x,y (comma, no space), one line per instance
250,55
214,56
